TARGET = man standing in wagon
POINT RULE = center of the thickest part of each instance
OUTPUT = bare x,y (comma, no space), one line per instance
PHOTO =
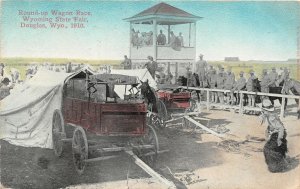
201,69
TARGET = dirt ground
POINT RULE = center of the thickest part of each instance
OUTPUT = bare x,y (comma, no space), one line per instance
195,160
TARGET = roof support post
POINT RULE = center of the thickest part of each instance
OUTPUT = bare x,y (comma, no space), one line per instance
154,40
130,39
168,34
190,34
195,39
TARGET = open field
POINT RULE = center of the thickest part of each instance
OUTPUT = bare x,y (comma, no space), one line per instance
22,63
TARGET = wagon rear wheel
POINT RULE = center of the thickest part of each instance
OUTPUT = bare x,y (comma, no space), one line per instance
58,132
149,155
79,149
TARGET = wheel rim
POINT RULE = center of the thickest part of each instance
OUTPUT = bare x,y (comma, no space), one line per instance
58,133
79,149
150,138
162,110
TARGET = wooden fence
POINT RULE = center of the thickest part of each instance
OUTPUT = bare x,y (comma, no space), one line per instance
241,106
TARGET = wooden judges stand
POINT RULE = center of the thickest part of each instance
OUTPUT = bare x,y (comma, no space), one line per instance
164,16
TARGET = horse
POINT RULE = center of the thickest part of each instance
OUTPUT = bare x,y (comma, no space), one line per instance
274,154
182,81
293,86
277,90
149,95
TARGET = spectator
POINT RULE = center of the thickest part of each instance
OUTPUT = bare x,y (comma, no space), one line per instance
189,76
169,78
201,69
229,84
127,63
151,65
250,88
273,77
220,85
69,67
172,38
5,88
161,38
239,85
213,84
1,69
180,37
15,75
265,81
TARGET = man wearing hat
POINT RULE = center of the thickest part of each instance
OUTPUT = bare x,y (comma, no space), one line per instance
265,81
250,88
126,63
151,65
220,85
276,147
201,69
1,69
5,88
273,75
239,84
189,76
229,83
213,84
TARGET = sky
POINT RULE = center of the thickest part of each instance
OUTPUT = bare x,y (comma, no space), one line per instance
248,30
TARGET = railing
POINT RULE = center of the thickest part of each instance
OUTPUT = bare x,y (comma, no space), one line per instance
241,102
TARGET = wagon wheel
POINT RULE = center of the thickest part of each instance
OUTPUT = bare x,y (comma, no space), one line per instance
162,109
149,155
58,132
79,149
160,118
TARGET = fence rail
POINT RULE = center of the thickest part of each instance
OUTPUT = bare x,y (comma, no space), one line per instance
241,93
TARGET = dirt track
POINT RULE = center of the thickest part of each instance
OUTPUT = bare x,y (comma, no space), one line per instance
194,161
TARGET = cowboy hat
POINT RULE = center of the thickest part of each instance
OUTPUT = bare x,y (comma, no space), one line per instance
267,105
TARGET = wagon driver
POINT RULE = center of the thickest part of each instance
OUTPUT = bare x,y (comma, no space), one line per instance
201,69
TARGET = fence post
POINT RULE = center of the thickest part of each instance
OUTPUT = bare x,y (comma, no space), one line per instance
282,108
241,103
207,100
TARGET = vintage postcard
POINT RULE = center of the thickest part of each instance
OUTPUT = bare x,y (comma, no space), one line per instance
149,94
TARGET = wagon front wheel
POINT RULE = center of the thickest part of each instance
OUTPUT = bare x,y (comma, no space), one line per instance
149,155
79,149
58,132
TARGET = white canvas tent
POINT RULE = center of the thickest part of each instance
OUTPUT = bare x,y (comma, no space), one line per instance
26,114
142,75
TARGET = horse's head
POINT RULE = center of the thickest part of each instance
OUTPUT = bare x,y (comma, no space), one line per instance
144,87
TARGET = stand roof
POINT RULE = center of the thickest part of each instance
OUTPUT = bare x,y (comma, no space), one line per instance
165,14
